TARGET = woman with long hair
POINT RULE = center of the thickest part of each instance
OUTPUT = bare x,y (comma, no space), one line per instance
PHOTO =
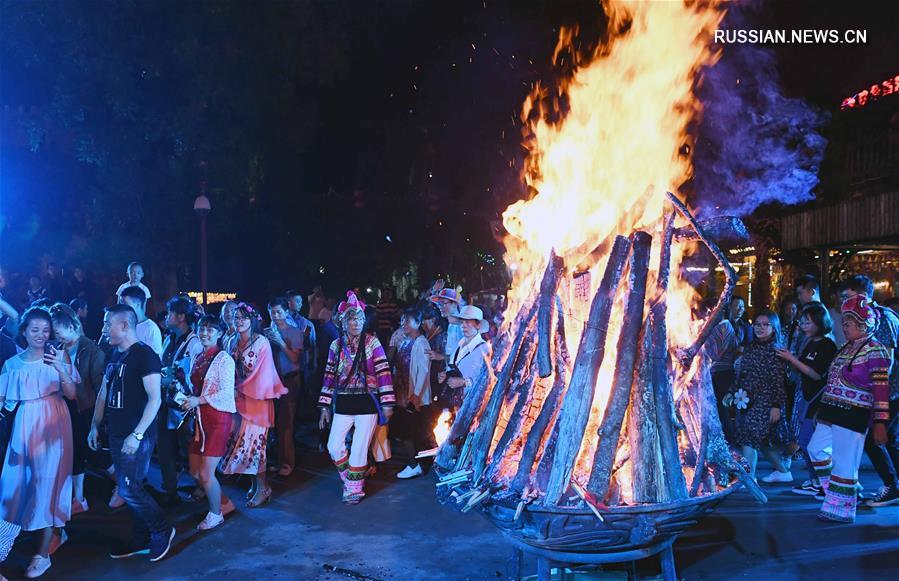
90,362
36,483
357,391
761,378
212,380
257,385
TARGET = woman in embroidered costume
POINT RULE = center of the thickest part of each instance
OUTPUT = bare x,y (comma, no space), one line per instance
358,389
212,380
855,399
257,386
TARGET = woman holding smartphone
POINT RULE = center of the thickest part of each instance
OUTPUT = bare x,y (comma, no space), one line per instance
36,483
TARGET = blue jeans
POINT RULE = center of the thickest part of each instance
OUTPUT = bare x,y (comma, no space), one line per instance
806,429
131,471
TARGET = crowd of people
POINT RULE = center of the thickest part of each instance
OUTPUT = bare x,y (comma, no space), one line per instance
814,383
215,393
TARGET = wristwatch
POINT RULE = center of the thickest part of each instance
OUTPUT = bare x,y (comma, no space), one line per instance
138,436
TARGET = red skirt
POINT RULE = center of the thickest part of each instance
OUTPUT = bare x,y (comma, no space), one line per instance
212,432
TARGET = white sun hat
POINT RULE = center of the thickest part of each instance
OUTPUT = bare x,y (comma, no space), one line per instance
471,313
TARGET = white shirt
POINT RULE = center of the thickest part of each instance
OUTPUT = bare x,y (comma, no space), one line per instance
140,285
148,332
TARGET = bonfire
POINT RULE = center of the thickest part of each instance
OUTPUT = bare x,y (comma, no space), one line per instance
593,432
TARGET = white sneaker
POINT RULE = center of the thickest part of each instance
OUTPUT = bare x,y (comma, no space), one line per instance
79,506
778,477
58,541
211,521
37,567
116,501
410,472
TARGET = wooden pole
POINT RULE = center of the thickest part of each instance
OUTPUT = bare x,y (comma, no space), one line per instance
628,336
730,283
552,276
642,430
536,434
666,420
579,398
525,383
483,435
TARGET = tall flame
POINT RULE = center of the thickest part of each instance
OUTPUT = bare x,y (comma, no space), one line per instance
604,168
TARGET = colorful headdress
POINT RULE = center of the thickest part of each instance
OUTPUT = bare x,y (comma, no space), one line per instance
859,308
249,310
351,304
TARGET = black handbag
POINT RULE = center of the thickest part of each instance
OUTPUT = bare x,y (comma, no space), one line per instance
7,418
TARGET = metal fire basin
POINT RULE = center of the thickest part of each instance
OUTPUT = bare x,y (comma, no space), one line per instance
575,536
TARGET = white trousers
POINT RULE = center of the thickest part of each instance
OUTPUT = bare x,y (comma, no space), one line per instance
364,430
843,447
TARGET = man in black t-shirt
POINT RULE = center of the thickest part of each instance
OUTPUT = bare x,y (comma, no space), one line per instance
129,399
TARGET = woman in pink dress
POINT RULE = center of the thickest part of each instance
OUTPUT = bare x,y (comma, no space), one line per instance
257,386
36,484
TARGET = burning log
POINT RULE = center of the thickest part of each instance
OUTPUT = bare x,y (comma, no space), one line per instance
642,429
610,429
724,229
518,358
525,396
730,282
548,288
545,419
666,420
575,410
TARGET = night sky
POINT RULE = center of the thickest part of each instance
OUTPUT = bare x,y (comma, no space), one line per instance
318,128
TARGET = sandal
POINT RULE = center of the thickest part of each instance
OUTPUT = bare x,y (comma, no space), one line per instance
255,502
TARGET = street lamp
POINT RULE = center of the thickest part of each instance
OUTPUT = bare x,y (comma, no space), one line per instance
202,207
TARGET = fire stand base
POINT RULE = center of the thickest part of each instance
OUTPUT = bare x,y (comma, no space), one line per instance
547,560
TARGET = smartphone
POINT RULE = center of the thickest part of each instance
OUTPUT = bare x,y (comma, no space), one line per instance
50,348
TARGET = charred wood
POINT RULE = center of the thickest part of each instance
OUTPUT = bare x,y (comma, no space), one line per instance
549,286
575,410
666,421
517,361
730,274
610,429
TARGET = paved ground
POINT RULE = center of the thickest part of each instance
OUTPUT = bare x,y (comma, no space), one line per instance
401,532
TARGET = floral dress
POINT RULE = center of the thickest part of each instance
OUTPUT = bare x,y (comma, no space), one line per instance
763,379
257,386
